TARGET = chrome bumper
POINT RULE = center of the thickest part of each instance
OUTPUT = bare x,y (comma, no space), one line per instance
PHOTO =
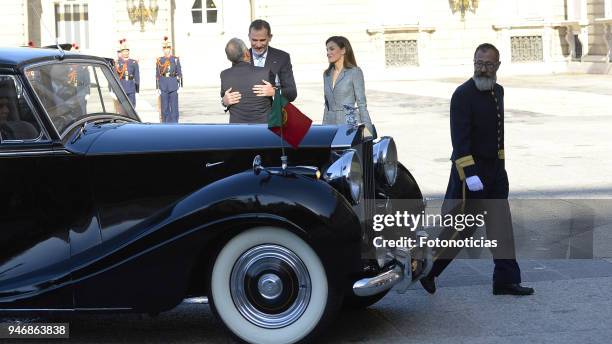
399,275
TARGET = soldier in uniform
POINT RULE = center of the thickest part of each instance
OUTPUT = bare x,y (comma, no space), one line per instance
478,182
127,71
169,78
78,77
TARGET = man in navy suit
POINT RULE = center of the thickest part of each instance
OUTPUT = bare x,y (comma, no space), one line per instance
169,78
263,55
128,72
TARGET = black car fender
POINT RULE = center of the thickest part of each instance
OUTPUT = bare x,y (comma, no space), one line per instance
308,207
176,250
405,186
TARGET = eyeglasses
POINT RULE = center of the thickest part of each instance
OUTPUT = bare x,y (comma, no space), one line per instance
488,65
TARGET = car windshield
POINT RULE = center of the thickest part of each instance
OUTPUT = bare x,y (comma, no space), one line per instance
71,91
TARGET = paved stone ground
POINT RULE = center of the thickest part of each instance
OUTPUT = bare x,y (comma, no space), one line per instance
558,147
572,304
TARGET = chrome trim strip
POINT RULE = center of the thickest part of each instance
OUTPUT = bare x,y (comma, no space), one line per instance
104,309
196,300
37,310
93,119
211,164
35,153
62,309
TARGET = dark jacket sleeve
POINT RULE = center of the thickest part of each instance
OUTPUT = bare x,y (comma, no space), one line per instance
461,130
136,77
288,88
222,84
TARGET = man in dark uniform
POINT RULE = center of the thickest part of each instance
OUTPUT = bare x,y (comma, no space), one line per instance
169,79
263,55
478,181
127,72
79,79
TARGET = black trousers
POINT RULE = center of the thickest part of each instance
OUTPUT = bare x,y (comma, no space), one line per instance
492,203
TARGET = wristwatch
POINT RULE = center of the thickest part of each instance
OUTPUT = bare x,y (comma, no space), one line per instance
225,106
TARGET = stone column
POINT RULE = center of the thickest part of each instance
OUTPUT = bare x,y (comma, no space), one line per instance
597,48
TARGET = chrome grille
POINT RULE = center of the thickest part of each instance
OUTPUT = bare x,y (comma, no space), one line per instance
369,196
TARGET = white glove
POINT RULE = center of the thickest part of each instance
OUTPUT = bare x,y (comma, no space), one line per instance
474,183
158,92
112,94
178,90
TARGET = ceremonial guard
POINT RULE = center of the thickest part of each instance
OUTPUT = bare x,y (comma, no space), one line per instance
78,78
169,78
128,71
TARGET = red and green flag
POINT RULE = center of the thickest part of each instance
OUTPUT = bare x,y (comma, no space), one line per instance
288,120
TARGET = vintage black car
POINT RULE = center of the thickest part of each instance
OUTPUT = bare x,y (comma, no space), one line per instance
100,212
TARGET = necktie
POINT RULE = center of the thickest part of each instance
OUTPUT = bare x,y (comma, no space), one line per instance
258,59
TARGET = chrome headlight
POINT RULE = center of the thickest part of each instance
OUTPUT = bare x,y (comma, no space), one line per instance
346,175
385,160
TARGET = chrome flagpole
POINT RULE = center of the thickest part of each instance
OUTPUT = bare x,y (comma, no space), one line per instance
277,84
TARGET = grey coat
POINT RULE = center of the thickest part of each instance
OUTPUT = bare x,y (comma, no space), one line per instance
349,89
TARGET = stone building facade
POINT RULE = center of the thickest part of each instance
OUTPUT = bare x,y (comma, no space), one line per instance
392,39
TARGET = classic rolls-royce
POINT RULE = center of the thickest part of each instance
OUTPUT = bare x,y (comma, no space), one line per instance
101,212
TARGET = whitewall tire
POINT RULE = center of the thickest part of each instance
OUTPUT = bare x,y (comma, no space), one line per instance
269,286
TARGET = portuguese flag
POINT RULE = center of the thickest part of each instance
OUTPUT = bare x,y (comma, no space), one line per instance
288,120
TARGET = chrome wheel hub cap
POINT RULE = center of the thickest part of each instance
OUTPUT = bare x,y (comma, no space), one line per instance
270,286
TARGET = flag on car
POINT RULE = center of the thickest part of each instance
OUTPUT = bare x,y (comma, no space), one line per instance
287,121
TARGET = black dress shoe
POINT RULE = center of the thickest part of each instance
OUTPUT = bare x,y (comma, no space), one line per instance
429,284
511,289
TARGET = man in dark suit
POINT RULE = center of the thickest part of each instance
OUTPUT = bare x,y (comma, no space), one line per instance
240,78
263,55
478,182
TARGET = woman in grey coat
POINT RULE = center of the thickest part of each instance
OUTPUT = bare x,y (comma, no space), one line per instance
343,84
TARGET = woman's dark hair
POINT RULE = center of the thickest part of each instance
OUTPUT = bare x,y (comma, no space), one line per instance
349,56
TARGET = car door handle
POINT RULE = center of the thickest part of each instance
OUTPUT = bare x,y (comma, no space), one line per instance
211,164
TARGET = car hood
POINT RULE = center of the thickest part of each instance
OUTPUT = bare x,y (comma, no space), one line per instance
142,138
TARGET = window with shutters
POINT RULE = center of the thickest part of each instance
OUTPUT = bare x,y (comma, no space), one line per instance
72,22
207,14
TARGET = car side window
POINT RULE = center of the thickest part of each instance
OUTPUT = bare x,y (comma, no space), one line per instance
73,91
17,120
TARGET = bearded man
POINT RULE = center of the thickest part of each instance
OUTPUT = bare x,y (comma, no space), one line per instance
478,183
